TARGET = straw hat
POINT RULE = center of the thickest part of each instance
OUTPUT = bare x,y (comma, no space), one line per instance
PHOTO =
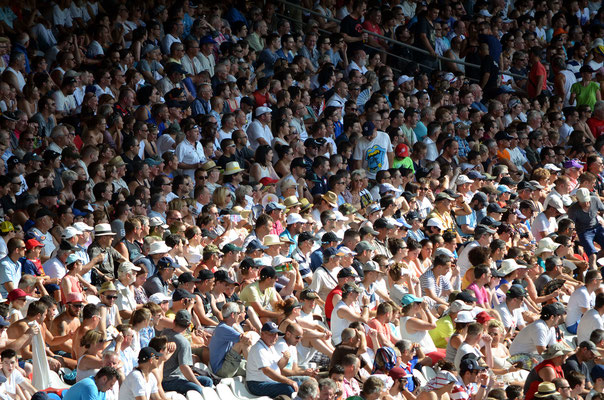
232,168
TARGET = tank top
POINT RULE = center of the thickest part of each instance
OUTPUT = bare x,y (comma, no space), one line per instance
134,250
84,373
421,337
329,302
451,351
568,82
338,324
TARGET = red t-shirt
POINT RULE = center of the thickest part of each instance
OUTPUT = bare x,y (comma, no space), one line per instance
537,71
596,126
329,303
261,99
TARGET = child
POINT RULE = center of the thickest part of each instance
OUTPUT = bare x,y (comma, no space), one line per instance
16,385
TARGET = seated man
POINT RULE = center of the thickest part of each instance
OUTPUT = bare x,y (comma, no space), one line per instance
263,375
17,386
229,347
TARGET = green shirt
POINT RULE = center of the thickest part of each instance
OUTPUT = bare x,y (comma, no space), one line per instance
443,331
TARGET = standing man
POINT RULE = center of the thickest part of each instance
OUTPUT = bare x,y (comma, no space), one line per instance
141,383
10,267
584,213
259,131
373,151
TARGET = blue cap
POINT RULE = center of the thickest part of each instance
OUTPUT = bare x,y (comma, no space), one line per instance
409,298
330,252
271,327
207,40
475,175
402,221
368,128
71,259
255,245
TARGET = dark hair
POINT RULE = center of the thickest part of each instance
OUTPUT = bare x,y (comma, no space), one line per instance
8,353
107,372
261,153
90,310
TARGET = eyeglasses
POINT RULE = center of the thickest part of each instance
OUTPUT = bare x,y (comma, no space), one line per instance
298,337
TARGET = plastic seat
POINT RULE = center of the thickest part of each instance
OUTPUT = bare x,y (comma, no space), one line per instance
208,394
420,377
428,372
225,392
241,392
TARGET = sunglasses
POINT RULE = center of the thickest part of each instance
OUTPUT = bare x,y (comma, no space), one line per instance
111,297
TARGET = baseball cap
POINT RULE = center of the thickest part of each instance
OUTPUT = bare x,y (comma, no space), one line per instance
346,273
483,317
180,294
368,128
495,208
205,274
16,294
223,276
146,353
308,294
362,246
158,298
271,327
574,163
469,364
31,243
591,346
409,298
267,272
516,292
330,237
183,318
465,296
187,277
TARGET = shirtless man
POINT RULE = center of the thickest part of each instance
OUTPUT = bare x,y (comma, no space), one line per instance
68,321
36,312
91,316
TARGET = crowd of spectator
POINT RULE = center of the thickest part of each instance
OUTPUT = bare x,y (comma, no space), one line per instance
308,200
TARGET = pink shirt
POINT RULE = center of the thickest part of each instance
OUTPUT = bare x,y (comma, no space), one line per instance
350,388
481,294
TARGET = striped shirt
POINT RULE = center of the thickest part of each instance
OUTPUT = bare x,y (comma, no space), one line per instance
428,281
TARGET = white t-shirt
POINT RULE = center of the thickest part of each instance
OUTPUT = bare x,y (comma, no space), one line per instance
590,321
135,385
579,299
261,356
15,379
535,334
324,281
543,224
282,346
464,349
373,154
510,319
256,131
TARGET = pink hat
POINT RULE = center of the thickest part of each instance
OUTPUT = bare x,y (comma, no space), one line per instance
74,297
16,294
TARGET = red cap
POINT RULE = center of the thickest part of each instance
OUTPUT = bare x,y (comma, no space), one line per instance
74,297
402,150
268,181
16,294
483,317
397,373
31,243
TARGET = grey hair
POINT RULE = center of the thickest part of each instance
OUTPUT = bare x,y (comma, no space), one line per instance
599,106
309,389
360,173
27,281
347,334
229,308
328,383
404,345
372,385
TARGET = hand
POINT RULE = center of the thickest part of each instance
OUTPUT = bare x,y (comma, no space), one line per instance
33,330
93,290
483,378
55,365
98,258
294,385
365,300
119,338
311,372
487,339
286,354
372,333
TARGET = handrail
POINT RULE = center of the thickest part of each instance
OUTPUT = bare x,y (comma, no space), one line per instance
394,41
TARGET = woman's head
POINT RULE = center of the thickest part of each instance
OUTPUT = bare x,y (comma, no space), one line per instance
91,338
263,155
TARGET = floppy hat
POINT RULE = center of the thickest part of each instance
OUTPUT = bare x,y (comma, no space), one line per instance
556,350
508,266
546,245
159,248
271,240
464,317
331,198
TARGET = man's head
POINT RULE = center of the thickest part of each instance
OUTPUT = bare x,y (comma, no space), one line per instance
106,378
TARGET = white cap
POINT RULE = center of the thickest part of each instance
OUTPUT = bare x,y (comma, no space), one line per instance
70,232
485,13
463,179
340,216
280,260
262,110
345,251
552,167
83,227
583,195
445,251
156,221
159,298
436,223
402,79
295,218
556,202
388,187
127,266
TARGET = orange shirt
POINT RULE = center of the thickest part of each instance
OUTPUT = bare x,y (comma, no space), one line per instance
378,326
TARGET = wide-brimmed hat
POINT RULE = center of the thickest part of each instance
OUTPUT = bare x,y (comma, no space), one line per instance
271,240
232,168
331,198
291,201
103,230
546,245
508,266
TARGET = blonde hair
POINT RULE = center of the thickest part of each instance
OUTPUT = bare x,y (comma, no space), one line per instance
220,197
91,337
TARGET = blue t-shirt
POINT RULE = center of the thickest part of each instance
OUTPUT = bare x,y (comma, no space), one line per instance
84,390
221,343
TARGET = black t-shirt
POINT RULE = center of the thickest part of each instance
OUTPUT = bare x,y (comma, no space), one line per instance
352,27
424,26
488,66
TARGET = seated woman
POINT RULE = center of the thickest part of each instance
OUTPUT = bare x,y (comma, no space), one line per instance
92,360
314,334
416,321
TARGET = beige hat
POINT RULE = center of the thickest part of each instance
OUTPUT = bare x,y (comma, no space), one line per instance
331,198
546,245
232,168
291,201
271,240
